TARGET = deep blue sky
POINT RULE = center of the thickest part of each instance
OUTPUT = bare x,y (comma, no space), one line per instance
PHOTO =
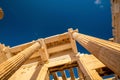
27,20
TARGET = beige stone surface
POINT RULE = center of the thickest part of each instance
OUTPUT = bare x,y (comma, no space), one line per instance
115,8
25,72
3,56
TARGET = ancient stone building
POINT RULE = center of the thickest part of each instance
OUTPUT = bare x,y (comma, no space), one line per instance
39,59
44,58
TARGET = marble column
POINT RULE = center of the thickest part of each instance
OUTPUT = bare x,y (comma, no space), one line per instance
107,52
8,67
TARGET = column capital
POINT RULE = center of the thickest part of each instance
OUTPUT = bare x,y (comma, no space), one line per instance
72,31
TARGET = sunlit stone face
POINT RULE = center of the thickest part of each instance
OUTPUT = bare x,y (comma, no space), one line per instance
1,14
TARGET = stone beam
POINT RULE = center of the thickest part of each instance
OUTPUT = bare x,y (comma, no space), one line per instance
72,41
44,55
107,52
59,48
8,67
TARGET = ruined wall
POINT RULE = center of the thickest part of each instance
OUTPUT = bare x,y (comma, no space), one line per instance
3,56
115,8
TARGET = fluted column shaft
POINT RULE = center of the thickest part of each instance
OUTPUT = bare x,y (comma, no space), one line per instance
8,67
106,51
